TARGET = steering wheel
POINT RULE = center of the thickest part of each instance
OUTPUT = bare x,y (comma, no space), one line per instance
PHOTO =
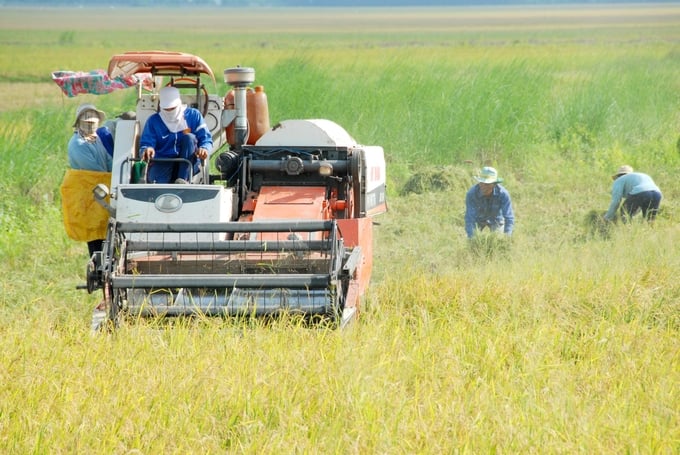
188,80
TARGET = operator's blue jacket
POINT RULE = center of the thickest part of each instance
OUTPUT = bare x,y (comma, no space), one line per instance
165,143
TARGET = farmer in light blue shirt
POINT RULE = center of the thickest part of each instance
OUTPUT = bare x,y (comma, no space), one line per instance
90,149
488,204
638,192
91,146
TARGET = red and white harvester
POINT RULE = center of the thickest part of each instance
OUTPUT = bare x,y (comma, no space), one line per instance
281,226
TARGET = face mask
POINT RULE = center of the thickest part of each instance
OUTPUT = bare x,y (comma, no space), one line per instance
170,115
174,118
88,129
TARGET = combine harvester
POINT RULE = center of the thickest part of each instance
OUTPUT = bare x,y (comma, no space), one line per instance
283,226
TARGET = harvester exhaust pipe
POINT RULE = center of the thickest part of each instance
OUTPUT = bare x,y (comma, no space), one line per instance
240,78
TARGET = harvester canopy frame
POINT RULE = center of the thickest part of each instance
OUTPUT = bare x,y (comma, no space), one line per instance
158,63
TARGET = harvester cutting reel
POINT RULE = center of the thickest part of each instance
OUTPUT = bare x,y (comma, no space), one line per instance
268,275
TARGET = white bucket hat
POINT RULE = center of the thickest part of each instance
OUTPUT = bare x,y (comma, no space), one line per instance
90,113
488,175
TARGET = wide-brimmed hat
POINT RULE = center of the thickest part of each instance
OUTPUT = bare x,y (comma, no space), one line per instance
623,170
488,175
169,97
90,113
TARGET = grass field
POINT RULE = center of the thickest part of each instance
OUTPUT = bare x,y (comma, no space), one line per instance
563,339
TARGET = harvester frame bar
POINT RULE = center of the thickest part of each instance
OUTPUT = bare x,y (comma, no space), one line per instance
292,281
222,246
340,167
232,226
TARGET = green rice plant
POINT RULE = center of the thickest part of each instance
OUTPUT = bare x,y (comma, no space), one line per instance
597,225
433,179
487,245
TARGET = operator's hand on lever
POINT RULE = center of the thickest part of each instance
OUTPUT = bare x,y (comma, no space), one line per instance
202,153
148,154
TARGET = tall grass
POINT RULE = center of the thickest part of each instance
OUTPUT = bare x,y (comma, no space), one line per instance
561,339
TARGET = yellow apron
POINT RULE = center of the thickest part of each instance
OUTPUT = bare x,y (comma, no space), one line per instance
84,218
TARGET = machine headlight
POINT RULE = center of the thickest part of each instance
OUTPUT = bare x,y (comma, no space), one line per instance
168,203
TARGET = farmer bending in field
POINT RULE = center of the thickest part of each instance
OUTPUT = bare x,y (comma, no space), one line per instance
488,204
639,193
175,131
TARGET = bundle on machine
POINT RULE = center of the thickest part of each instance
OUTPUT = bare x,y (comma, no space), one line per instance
278,221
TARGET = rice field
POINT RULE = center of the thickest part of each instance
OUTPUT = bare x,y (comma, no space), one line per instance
562,339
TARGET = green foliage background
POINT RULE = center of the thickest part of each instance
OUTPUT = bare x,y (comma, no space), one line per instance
564,339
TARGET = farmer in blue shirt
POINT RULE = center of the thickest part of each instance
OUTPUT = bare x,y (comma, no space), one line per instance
91,145
175,131
638,192
90,156
488,204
